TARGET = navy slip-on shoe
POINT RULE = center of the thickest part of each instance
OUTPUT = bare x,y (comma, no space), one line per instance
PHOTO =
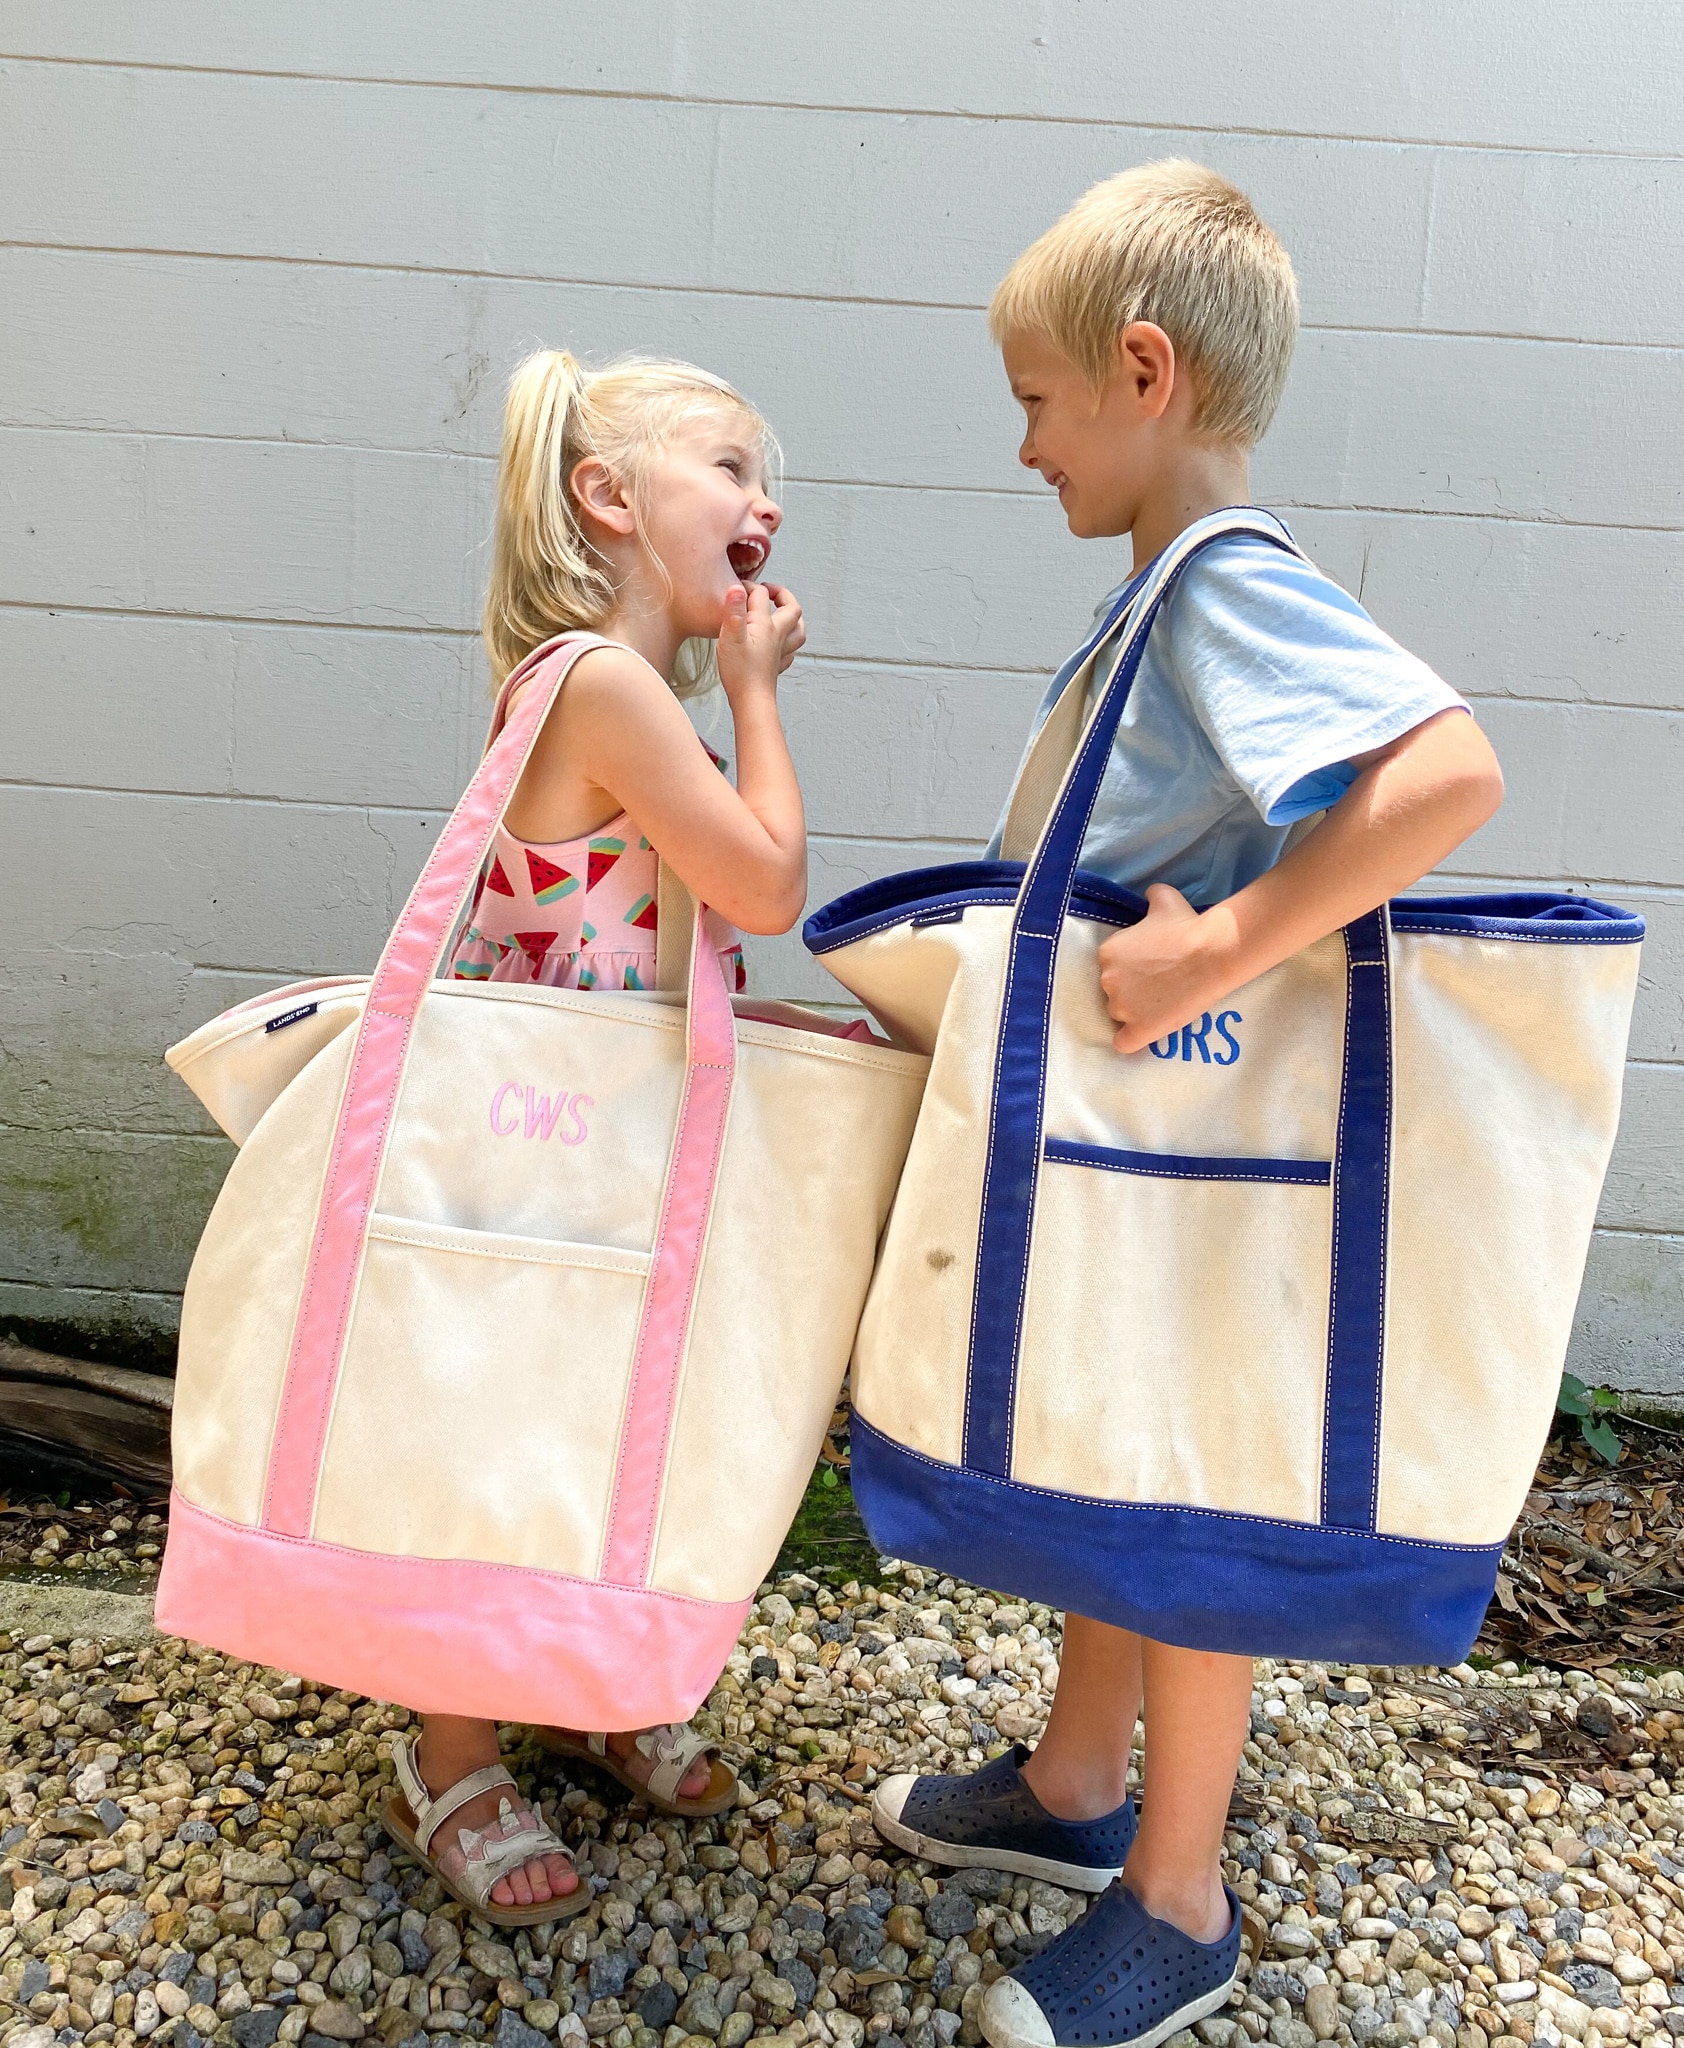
1116,1979
991,1820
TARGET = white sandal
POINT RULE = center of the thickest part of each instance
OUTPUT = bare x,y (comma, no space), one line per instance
674,1748
478,1858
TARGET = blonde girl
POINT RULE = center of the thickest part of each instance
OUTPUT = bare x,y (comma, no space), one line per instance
632,503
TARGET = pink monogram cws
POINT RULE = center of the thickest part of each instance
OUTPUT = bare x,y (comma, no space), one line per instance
676,1242
542,1115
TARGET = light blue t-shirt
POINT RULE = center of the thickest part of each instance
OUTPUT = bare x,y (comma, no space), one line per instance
1260,680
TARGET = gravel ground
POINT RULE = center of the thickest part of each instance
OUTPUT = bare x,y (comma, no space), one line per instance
114,1535
188,1853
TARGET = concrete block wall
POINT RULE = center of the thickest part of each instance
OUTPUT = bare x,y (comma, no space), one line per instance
263,272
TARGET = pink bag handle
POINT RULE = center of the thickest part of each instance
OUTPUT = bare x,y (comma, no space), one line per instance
405,972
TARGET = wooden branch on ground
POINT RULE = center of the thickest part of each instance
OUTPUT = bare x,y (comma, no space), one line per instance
104,1416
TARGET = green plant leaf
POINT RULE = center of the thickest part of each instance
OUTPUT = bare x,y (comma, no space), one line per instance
1601,1438
1604,1397
1573,1398
828,1477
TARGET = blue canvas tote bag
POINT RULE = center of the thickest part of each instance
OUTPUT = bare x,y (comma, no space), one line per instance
1249,1341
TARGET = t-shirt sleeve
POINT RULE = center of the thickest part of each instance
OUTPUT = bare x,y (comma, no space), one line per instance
1289,677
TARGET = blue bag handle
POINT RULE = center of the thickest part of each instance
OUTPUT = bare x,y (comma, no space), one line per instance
1052,866
1016,1116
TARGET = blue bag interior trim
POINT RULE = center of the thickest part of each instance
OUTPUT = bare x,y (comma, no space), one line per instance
925,895
1541,917
1309,1173
1198,1577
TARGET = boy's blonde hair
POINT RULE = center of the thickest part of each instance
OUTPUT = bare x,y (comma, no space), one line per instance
1175,244
546,575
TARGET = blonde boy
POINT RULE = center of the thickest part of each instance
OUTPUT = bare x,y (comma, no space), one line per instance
1147,337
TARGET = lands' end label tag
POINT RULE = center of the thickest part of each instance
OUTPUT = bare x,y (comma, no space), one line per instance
292,1017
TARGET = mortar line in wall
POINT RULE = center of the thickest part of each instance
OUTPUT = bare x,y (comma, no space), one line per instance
283,625
983,116
972,845
109,1131
836,483
1578,885
815,655
438,812
1419,331
81,1287
1637,1230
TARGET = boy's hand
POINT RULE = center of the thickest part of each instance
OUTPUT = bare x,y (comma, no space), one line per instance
760,635
1159,974
1415,801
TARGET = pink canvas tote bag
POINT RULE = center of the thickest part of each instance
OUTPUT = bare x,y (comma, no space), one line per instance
512,1337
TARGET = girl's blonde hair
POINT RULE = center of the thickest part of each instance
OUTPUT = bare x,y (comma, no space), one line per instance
1175,244
546,576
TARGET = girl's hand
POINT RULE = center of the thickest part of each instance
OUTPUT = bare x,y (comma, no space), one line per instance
760,635
1157,975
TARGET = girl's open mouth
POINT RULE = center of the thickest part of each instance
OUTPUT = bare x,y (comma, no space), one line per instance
748,557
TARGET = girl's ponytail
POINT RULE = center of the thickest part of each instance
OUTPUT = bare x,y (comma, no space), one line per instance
544,579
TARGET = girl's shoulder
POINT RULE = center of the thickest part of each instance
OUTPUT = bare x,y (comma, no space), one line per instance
608,664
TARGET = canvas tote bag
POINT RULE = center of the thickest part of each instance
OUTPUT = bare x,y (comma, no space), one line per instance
1248,1341
512,1337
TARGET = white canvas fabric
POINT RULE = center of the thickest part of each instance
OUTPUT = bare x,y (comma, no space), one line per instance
506,1288
1249,1341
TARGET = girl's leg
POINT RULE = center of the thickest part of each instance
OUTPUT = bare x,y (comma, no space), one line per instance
450,1748
1198,1708
1080,1767
636,1765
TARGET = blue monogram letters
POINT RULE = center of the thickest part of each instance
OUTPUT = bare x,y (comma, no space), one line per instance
1191,1035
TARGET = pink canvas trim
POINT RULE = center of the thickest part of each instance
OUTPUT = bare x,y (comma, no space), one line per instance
406,969
670,1293
443,1636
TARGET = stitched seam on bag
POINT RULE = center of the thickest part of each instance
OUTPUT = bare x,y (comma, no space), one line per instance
1385,965
1352,963
1338,1211
1034,1192
1137,635
987,1175
650,1513
886,920
681,1362
1167,1507
289,1402
652,1507
863,1058
457,1564
1050,939
477,1251
1559,938
290,1398
637,1370
1285,1180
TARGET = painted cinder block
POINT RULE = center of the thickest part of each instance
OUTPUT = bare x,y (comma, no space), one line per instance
242,549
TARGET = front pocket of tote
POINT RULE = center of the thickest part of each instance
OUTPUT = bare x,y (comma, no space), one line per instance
1175,1331
479,1402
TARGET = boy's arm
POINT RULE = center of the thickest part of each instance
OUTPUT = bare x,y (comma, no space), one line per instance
1412,804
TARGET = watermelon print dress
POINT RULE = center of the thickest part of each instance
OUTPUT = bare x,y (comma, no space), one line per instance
578,914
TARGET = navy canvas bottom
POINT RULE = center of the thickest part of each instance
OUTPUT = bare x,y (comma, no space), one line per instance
1196,1577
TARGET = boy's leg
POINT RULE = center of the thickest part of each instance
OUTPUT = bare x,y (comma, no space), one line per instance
1198,1709
1080,1768
1062,1813
1158,1951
